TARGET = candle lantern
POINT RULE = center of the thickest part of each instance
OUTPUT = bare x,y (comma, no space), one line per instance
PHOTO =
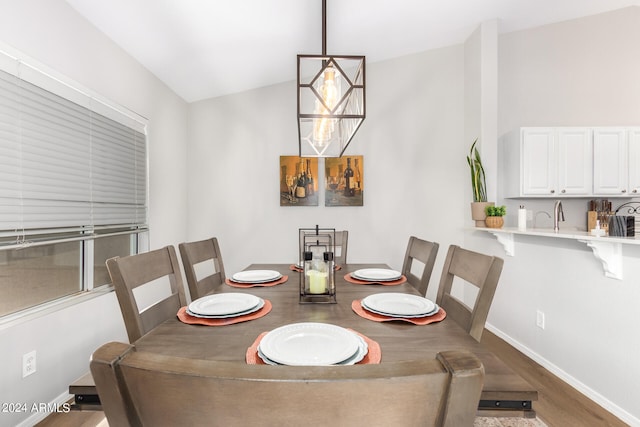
317,284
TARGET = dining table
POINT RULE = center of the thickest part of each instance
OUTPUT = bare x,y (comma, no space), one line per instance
504,391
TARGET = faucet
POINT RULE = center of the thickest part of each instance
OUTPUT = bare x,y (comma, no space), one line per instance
558,215
535,218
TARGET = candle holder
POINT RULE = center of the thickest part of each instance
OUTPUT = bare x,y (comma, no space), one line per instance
317,284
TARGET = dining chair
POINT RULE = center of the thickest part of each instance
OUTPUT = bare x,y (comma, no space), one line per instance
424,252
340,243
141,388
203,266
153,269
480,270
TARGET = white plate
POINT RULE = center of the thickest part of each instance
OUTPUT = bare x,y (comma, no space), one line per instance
399,304
224,316
256,276
406,316
309,344
223,304
363,349
377,274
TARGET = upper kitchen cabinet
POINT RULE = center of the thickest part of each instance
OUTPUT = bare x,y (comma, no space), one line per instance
547,162
633,137
616,161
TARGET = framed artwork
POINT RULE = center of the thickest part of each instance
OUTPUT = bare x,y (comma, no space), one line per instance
344,181
298,181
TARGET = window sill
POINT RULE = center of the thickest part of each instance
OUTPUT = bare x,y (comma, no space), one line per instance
32,313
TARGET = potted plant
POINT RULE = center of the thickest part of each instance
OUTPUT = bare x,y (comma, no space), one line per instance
494,216
478,186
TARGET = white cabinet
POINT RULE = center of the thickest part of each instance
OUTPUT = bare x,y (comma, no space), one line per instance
634,162
610,164
616,162
547,162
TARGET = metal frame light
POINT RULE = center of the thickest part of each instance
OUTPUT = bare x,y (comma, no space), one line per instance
331,100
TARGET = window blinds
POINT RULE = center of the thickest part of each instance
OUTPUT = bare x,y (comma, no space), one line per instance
67,160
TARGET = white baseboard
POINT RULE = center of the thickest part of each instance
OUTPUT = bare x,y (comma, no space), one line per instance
39,415
573,382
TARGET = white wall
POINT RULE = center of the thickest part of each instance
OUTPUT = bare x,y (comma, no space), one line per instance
580,72
53,34
414,166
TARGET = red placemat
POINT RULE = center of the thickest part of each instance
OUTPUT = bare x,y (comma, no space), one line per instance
374,355
355,281
192,320
357,307
252,285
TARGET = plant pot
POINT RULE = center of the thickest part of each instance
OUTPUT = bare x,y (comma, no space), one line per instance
477,212
494,221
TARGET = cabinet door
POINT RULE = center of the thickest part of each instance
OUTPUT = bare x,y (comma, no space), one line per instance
575,161
539,166
634,162
610,170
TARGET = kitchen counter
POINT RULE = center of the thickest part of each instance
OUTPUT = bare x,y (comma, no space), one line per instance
606,249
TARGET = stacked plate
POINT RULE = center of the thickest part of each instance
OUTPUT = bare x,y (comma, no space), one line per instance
222,306
256,276
312,344
399,305
376,275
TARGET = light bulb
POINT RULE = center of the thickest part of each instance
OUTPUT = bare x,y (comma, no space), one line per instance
323,127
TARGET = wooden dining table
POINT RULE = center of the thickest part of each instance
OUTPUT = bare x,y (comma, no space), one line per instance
503,391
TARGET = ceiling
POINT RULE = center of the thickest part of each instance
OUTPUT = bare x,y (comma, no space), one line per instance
208,48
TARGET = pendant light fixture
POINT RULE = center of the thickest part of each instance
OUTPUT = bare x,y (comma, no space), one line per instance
331,100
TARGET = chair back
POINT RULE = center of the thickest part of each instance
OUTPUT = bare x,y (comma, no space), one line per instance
340,243
134,271
195,256
480,270
425,253
140,388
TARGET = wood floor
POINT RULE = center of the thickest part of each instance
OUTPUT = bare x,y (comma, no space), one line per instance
558,404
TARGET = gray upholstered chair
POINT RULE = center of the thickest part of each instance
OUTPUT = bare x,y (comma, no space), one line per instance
203,266
480,270
139,388
424,252
133,273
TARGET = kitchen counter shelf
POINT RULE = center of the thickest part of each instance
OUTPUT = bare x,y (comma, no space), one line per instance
607,250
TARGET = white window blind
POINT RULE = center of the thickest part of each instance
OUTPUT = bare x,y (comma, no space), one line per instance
67,160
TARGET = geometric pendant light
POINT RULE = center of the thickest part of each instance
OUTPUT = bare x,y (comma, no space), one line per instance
331,100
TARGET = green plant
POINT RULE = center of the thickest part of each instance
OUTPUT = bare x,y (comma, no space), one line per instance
495,210
478,181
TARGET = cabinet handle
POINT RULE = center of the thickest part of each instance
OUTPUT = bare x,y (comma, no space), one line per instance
635,190
553,191
563,191
624,191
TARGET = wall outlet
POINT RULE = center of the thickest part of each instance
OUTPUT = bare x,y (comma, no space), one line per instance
540,319
28,363
529,215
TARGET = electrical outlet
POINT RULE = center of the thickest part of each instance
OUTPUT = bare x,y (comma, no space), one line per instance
540,319
28,363
529,215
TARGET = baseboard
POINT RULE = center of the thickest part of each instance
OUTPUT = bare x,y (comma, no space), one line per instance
40,415
572,381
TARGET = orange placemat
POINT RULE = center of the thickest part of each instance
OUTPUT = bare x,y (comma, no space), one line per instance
192,320
294,267
374,355
355,281
230,282
357,307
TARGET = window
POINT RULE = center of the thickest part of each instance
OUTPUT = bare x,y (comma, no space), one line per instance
74,186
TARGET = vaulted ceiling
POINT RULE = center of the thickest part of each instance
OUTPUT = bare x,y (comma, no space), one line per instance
208,48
